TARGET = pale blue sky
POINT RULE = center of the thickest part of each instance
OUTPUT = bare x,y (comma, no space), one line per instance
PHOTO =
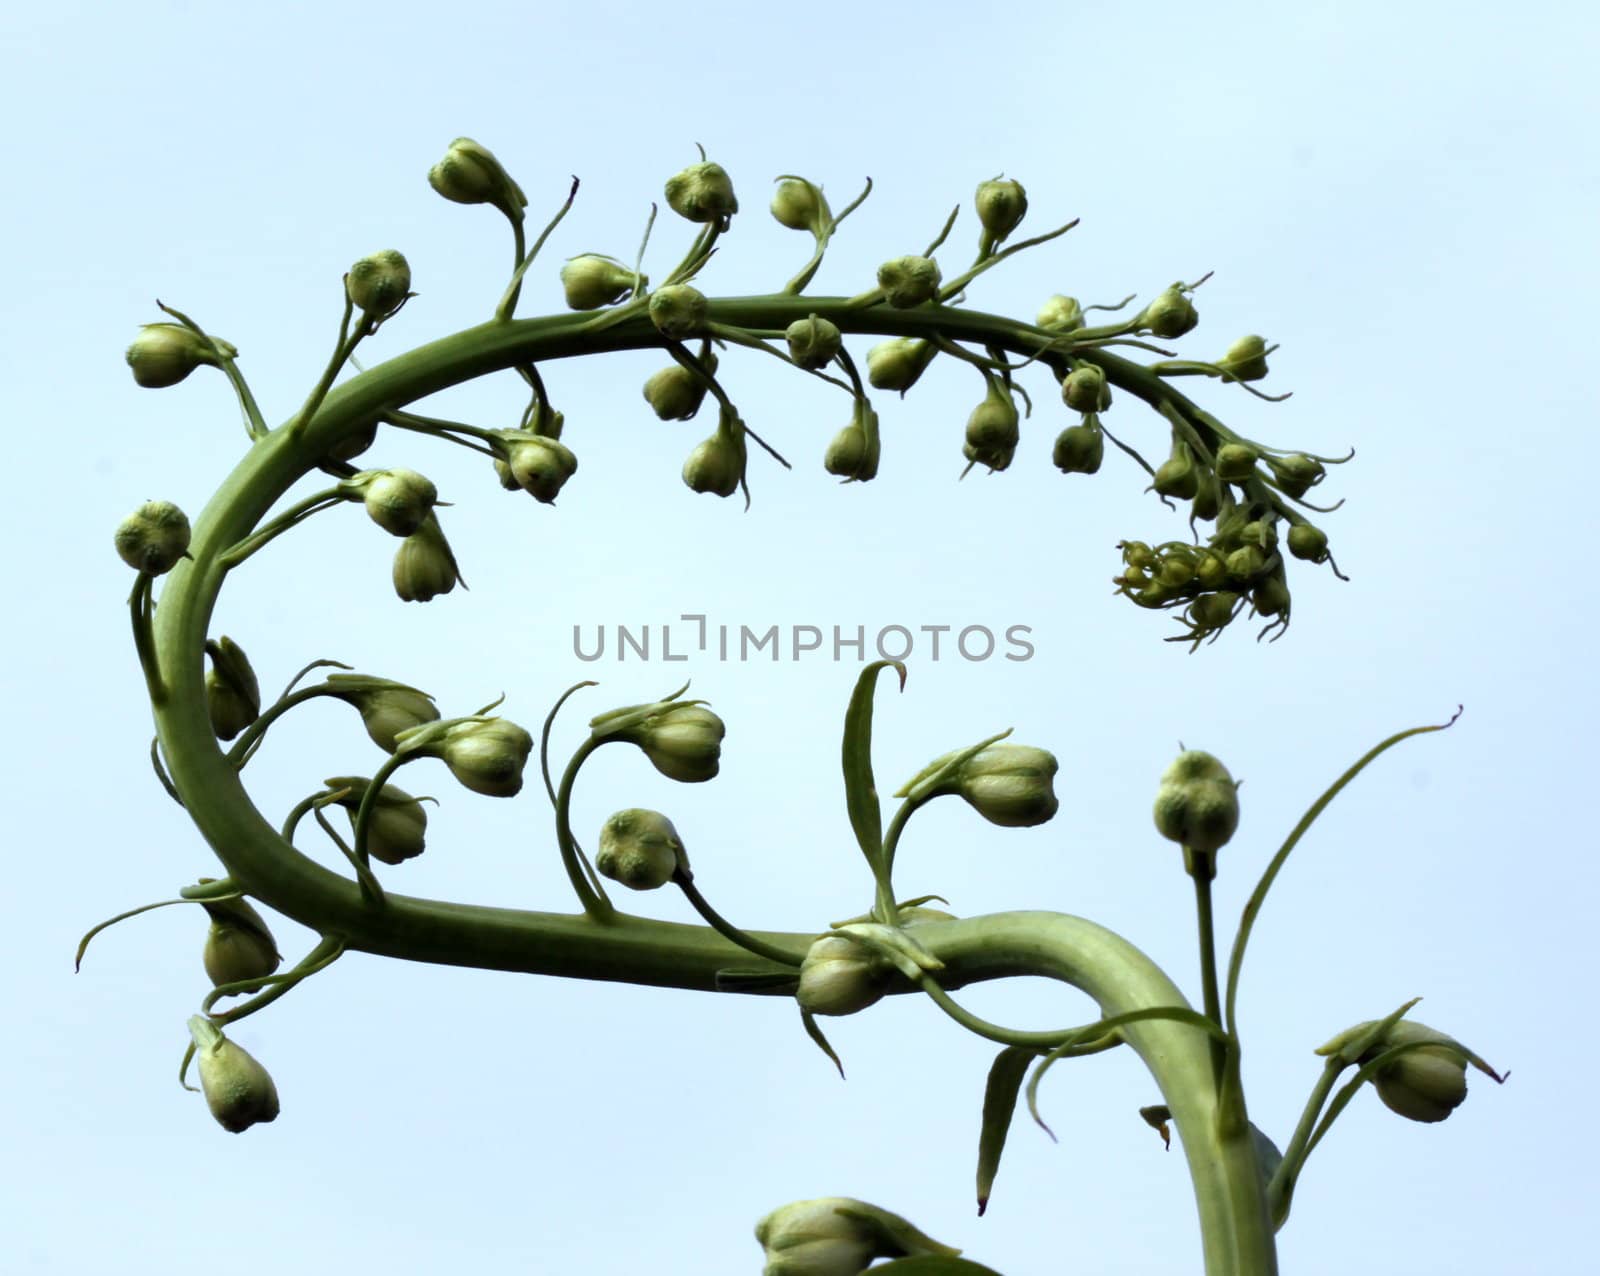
1404,195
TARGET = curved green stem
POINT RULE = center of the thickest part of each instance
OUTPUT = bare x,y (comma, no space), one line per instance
142,610
1280,1191
760,947
592,897
343,348
242,750
321,957
291,517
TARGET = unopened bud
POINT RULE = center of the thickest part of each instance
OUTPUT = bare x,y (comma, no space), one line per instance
909,281
813,343
703,193
1170,315
592,281
853,453
397,825
386,708
897,363
233,696
992,430
1245,563
1085,389
716,465
1176,475
470,174
424,567
538,464
1236,462
837,1236
238,946
841,977
1246,359
799,205
486,754
1197,804
153,538
682,739
164,354
677,309
1079,450
1207,502
1425,1083
1001,205
1210,612
399,501
1271,596
238,1090
640,849
1060,314
1296,473
1010,785
379,283
675,393
1308,542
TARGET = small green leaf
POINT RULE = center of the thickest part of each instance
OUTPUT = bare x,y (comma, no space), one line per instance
860,790
999,1103
815,1033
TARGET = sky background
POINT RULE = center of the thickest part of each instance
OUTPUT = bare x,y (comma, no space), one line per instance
1404,196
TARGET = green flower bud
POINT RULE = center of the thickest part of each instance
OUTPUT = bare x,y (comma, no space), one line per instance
1170,315
486,754
1197,805
897,363
1010,785
238,945
592,281
1085,389
1246,359
813,342
677,309
1245,563
1210,571
1271,596
716,465
398,825
237,1088
1175,572
799,205
1426,1083
1296,473
153,538
837,1236
399,501
1236,462
379,284
1212,611
538,464
1001,208
1207,502
675,393
233,696
1060,314
1079,450
386,708
992,430
470,174
682,739
703,193
424,567
164,354
1308,542
909,281
853,452
640,849
1176,475
841,977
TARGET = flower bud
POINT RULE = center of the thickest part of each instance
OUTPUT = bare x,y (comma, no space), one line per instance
399,501
813,342
397,826
799,205
1060,314
1271,596
1236,462
1170,315
1308,542
1010,785
470,174
683,740
1426,1083
153,538
379,283
992,430
1079,450
1245,564
909,281
1296,473
840,977
386,708
703,193
716,465
538,464
1210,571
640,849
486,754
233,696
1176,475
1197,805
837,1236
1001,208
1207,503
1085,390
164,354
853,453
1212,611
677,309
238,945
237,1088
897,363
675,393
424,567
592,281
1246,359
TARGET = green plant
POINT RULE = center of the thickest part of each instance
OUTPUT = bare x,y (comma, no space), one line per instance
1251,493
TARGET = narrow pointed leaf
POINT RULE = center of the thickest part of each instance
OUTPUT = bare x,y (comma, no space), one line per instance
815,1033
860,790
999,1103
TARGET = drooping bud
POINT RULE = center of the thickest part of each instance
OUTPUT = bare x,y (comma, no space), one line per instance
1296,473
992,429
424,567
1308,542
677,310
1060,314
1176,475
897,363
1210,571
233,696
1010,785
397,826
853,453
486,754
1425,1083
716,465
1085,390
238,945
379,284
1246,359
675,393
799,205
164,354
1001,204
1207,502
1079,449
840,977
813,343
640,849
909,281
470,174
703,193
1197,805
1171,314
386,708
1211,612
1245,564
538,464
1236,462
153,538
1270,597
592,281
837,1236
399,501
238,1090
683,741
